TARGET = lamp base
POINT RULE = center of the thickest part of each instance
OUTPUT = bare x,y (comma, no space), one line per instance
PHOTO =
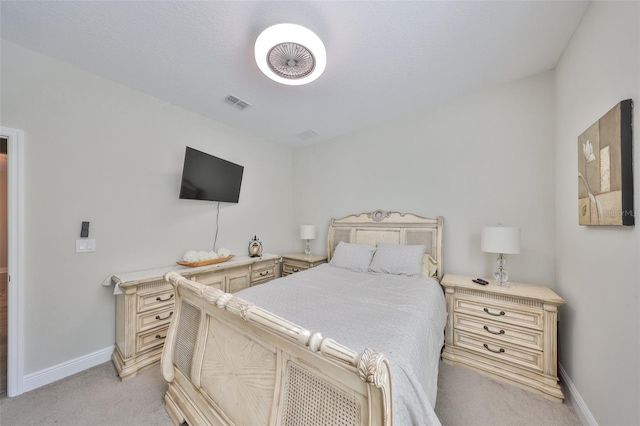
501,275
307,249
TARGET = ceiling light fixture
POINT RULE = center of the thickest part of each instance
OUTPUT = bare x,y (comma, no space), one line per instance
290,54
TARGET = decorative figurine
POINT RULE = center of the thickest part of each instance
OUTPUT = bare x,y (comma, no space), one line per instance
255,247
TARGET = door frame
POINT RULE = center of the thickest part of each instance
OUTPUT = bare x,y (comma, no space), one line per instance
15,264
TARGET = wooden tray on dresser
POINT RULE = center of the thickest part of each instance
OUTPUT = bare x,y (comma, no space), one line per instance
206,262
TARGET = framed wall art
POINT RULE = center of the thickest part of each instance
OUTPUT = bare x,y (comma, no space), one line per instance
605,169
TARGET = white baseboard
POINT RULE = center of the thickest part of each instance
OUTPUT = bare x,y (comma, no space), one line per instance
49,375
576,400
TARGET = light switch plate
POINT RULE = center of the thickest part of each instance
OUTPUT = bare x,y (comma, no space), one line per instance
85,246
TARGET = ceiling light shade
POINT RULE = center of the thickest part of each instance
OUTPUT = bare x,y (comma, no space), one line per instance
290,54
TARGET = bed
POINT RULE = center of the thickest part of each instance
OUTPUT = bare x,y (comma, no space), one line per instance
332,345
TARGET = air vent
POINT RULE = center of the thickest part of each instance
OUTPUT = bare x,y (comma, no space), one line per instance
236,102
308,134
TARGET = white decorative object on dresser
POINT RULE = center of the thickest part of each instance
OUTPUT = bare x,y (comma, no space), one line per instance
146,306
296,262
509,332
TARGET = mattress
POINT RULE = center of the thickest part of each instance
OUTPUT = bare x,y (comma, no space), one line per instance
402,317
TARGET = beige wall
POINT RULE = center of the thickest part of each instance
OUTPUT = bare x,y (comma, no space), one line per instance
597,268
98,151
481,160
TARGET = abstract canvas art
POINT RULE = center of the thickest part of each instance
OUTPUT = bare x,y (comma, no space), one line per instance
605,175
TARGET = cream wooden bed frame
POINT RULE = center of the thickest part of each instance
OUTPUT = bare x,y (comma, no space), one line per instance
228,361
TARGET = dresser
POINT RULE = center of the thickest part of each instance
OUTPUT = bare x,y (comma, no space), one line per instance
145,307
296,262
509,333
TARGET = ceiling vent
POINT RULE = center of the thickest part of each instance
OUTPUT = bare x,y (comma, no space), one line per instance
308,134
236,102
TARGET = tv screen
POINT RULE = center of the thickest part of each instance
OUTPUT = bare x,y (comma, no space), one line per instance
205,177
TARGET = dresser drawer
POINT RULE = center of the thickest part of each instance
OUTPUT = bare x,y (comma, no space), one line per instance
154,319
499,350
264,273
501,332
151,339
502,312
157,299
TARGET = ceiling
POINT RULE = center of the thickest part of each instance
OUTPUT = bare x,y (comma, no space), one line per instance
384,58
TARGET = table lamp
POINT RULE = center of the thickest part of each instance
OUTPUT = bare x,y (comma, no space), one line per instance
308,233
502,240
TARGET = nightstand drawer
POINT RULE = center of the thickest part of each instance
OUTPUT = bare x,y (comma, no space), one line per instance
288,268
499,350
151,339
154,319
501,332
155,300
298,262
499,311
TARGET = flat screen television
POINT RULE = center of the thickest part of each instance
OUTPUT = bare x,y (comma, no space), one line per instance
205,177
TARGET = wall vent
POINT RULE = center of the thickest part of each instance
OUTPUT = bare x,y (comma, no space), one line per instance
308,134
236,102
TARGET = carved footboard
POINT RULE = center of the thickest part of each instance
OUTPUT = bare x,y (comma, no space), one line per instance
230,362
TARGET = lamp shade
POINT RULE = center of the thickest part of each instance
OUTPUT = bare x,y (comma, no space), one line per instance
500,239
308,232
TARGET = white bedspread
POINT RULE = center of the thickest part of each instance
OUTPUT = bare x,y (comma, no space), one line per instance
402,317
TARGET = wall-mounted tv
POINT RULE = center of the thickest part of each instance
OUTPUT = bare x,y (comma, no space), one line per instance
205,177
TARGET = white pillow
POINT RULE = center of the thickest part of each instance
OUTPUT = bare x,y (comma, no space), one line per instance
355,257
398,259
429,266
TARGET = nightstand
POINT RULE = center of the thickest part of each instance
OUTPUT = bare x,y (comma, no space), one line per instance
296,262
509,333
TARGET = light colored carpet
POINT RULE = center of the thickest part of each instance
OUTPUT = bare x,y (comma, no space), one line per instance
97,397
469,398
92,397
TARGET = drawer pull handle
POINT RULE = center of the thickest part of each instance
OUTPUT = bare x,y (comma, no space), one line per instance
495,315
264,274
169,316
493,332
493,350
164,337
296,270
160,299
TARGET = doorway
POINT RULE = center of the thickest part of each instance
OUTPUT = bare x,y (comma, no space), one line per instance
14,211
4,248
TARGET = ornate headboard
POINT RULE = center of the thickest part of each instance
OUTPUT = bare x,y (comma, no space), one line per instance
391,228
